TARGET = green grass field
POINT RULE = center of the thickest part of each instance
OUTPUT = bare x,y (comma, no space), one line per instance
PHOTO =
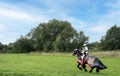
51,65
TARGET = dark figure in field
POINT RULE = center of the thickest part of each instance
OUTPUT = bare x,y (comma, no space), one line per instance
92,61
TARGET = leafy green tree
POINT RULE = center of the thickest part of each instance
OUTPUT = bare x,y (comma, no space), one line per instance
111,41
23,45
3,48
58,44
52,36
79,40
10,48
94,46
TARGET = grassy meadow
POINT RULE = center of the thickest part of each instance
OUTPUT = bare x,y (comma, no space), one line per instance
43,64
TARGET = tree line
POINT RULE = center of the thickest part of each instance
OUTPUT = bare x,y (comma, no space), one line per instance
60,36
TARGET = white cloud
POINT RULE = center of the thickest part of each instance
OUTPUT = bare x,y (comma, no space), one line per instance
112,17
15,14
78,24
99,29
107,20
115,4
2,27
4,34
7,37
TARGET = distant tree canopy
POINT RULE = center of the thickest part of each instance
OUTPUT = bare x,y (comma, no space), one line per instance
2,48
22,45
111,41
94,46
60,36
56,36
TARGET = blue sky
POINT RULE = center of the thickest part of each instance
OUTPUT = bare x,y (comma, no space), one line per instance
94,17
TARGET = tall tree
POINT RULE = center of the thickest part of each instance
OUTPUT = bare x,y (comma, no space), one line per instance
23,45
111,41
51,35
3,48
79,39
